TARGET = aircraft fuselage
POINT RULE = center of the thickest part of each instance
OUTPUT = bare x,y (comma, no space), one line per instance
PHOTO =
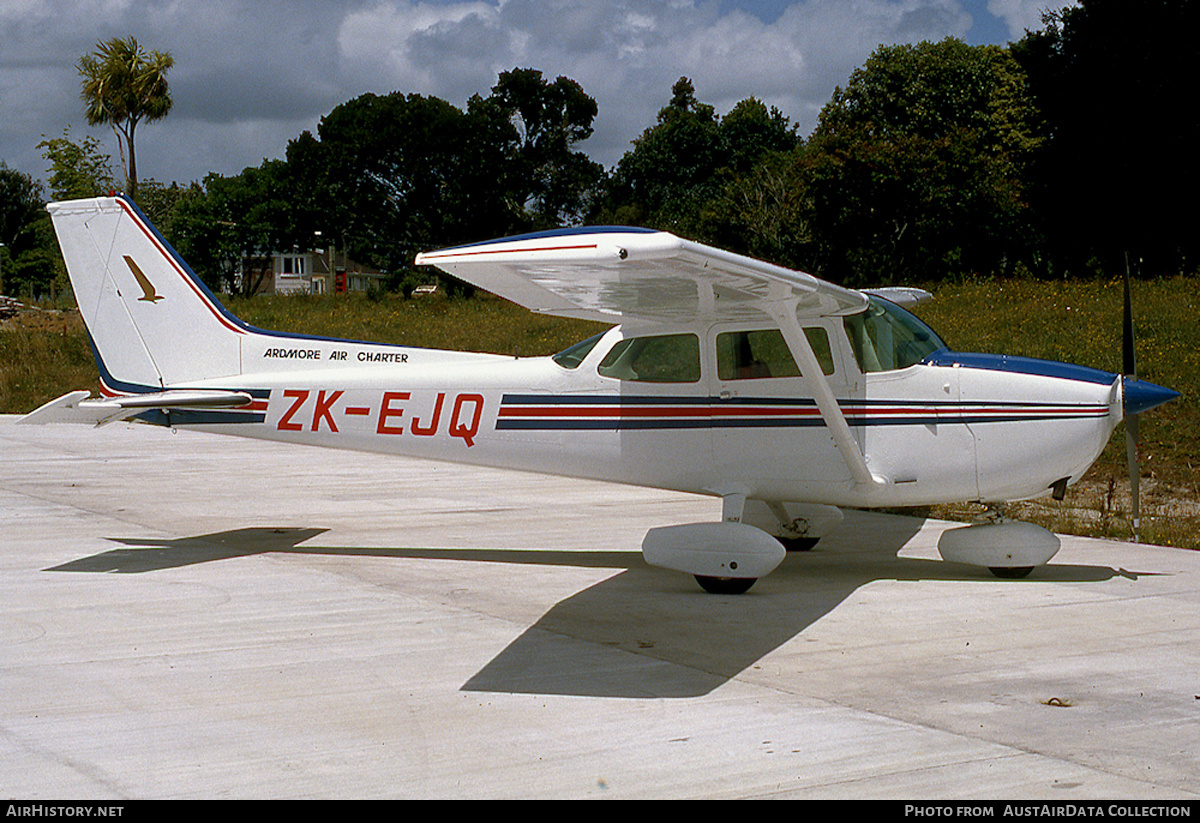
931,433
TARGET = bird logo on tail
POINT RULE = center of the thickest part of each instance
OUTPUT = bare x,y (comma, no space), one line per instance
149,294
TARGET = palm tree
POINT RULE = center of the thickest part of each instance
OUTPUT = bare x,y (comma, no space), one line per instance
122,86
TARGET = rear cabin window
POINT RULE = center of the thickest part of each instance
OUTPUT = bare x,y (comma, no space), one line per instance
667,358
749,355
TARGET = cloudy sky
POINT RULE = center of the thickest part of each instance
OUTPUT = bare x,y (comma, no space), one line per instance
252,74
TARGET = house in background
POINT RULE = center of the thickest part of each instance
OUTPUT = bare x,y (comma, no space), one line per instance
317,272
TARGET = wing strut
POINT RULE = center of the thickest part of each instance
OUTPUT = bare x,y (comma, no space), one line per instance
784,313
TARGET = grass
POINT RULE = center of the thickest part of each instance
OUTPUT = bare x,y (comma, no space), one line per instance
43,356
46,355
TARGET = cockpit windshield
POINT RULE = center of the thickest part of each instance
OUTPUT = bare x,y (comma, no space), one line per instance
570,358
886,337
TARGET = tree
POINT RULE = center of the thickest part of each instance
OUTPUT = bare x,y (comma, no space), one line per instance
751,131
550,118
680,166
398,174
1119,170
122,86
163,204
77,170
671,168
29,259
916,168
757,209
236,223
765,212
20,206
388,176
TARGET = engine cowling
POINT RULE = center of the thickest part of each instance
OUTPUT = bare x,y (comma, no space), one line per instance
722,550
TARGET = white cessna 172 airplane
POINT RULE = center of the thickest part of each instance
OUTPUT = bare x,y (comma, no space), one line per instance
781,394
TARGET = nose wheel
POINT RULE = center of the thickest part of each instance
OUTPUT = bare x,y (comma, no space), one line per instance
725,585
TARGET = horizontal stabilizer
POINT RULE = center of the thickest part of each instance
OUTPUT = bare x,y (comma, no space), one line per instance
76,407
901,295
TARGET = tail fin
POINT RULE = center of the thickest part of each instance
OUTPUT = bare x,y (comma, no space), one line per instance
152,322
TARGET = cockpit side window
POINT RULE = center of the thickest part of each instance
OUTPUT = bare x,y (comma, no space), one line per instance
747,355
667,358
885,337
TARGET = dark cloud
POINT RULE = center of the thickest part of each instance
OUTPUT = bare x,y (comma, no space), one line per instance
249,76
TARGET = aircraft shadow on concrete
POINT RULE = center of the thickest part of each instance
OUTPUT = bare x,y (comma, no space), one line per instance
643,632
148,554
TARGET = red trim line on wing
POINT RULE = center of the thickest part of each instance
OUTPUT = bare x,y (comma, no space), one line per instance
436,256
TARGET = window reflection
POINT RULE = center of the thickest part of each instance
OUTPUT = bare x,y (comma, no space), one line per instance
748,355
886,337
668,358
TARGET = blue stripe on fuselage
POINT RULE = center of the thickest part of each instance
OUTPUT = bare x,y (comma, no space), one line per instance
1020,365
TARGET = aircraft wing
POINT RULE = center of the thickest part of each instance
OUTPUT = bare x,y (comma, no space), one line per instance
620,273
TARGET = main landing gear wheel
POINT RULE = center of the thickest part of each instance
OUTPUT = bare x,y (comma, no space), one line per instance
725,585
1011,572
799,544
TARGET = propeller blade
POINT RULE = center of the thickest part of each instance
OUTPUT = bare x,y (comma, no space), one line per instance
1129,368
1128,358
1137,396
1131,457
